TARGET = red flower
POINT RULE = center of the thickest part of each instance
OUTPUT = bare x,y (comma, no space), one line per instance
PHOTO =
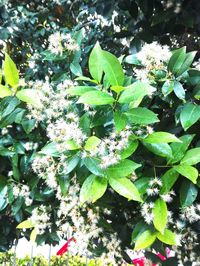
64,248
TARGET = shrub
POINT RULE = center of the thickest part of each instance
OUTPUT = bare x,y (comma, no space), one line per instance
101,156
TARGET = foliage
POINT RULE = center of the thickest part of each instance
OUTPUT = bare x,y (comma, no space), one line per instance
96,146
7,258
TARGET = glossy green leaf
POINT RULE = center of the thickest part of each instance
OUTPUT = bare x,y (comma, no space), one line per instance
168,237
95,63
25,225
167,87
10,71
96,98
142,184
160,149
177,59
161,137
160,215
80,90
93,188
188,171
179,149
189,115
122,169
179,90
186,64
125,188
50,149
146,239
113,69
120,121
93,166
91,143
168,180
142,116
129,150
191,157
71,145
136,92
188,193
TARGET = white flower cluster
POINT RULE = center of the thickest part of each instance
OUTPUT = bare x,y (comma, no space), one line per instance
153,57
53,103
46,168
60,42
99,20
29,145
64,130
153,190
41,219
191,213
22,191
188,252
109,148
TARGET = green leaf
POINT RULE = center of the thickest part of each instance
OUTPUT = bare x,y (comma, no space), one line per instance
132,59
145,240
160,149
188,61
86,79
191,157
71,145
129,150
120,121
30,96
188,171
168,180
179,149
189,115
167,87
125,188
142,184
28,125
161,137
25,225
142,116
92,165
92,143
136,92
179,90
139,228
33,235
4,91
122,169
93,188
10,71
95,63
177,59
188,193
168,237
80,90
96,98
160,215
76,68
113,69
71,163
50,149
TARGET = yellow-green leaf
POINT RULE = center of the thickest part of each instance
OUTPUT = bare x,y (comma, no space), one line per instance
145,240
25,224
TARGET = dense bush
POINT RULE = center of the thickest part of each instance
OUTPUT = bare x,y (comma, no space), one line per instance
79,137
73,139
